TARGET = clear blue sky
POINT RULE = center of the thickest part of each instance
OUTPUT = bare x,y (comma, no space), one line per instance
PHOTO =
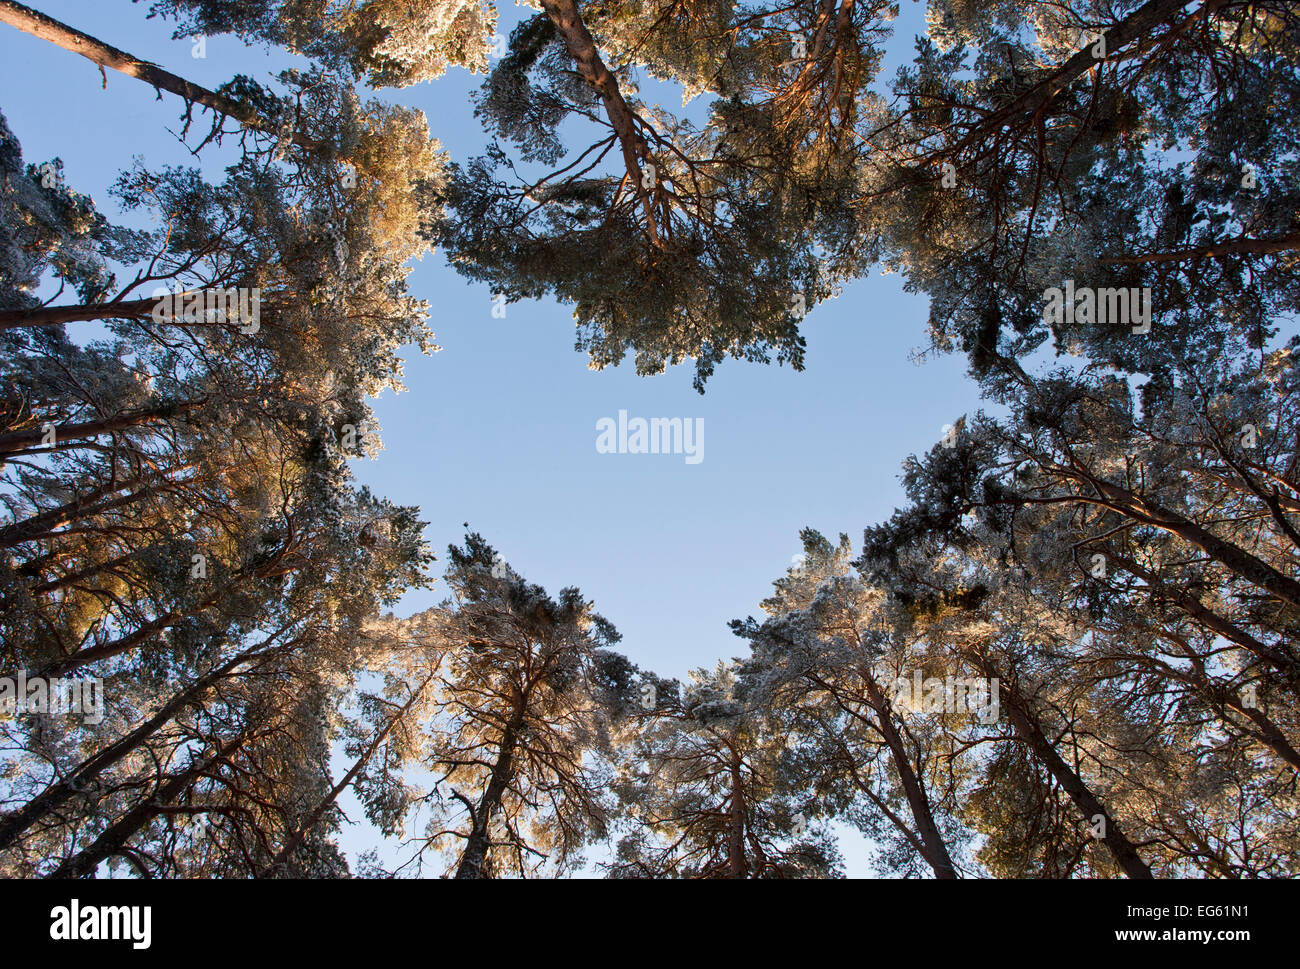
499,428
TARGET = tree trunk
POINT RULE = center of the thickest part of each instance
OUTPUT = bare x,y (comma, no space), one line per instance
78,575
936,852
47,28
1237,560
132,309
737,866
116,647
40,526
52,315
1211,620
130,824
16,442
582,48
304,828
58,794
1026,106
476,847
1026,725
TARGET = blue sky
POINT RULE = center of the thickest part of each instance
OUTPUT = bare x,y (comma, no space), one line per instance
499,428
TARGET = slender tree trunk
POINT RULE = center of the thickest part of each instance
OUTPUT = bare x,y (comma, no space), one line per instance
936,852
130,824
16,442
47,28
1236,559
582,48
116,647
1025,107
304,828
1269,732
93,654
42,525
476,847
134,309
1211,620
1135,507
737,866
52,315
56,795
1026,725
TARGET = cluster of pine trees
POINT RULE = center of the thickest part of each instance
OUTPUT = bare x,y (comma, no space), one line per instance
1115,543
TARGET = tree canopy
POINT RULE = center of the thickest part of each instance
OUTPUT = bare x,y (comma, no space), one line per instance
1071,652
